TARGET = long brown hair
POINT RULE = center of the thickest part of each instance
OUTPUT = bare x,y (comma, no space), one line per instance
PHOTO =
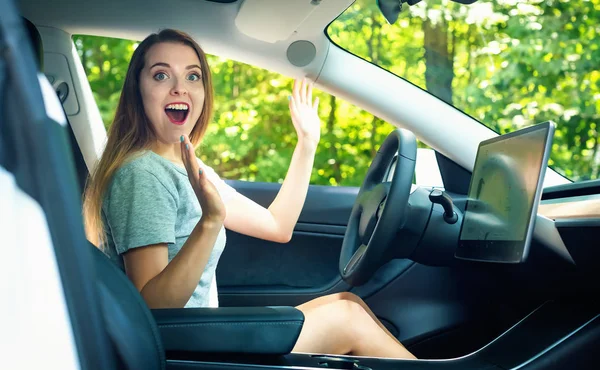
131,131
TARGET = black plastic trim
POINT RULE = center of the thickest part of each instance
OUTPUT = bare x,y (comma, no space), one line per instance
81,169
230,296
572,190
456,179
577,222
320,229
538,333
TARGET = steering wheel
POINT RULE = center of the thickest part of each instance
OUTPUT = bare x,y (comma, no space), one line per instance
380,208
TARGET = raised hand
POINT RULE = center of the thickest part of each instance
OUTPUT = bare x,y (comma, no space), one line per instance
304,112
212,206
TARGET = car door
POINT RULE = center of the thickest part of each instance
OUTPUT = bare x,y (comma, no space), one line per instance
257,272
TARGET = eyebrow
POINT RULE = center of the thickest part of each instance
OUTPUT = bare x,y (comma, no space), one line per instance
161,64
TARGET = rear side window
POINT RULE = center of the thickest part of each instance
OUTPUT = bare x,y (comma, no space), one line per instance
252,137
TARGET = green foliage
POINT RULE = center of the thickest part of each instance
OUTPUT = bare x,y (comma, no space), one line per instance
105,61
252,137
512,64
507,63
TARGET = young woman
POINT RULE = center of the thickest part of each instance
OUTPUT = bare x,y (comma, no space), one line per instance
160,213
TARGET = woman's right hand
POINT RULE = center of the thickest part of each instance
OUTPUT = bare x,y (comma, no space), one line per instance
213,209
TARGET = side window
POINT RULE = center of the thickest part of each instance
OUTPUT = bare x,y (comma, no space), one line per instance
252,137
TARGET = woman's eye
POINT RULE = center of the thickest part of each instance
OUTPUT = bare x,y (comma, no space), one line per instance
194,77
160,76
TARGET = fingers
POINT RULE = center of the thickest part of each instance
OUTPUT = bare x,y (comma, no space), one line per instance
293,108
302,93
188,156
202,179
296,90
316,104
183,141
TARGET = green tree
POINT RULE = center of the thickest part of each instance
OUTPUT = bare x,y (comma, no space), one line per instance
507,63
105,61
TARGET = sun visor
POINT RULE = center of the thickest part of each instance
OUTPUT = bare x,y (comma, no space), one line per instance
273,20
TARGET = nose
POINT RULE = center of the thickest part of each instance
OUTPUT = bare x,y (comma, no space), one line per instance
178,87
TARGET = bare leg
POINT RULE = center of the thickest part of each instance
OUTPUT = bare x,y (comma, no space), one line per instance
344,327
348,297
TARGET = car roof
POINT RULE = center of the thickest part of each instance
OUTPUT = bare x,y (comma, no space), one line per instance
253,32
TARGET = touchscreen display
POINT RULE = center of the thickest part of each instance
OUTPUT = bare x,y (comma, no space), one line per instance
503,194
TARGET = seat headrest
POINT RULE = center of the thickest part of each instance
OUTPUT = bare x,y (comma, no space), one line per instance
36,42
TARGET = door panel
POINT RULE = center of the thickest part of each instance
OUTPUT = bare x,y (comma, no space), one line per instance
257,272
308,262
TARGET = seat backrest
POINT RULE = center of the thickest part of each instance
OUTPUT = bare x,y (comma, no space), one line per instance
34,149
129,323
110,321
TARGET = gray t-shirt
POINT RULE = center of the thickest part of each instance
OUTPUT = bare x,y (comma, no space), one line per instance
149,201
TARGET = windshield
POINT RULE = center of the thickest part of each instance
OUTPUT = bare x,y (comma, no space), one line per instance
507,63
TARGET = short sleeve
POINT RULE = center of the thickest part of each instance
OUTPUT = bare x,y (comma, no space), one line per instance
225,190
139,210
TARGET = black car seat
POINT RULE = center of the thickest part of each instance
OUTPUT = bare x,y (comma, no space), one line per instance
128,321
112,326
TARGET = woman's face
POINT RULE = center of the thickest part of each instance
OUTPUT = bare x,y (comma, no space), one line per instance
172,90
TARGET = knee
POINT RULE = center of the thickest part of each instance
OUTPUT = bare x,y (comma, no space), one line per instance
347,296
351,312
352,322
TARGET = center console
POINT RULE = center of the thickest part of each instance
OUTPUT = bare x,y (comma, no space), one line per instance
544,339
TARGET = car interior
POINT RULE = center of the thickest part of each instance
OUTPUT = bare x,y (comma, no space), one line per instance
446,277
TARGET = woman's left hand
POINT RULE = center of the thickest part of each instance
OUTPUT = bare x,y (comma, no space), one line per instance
304,113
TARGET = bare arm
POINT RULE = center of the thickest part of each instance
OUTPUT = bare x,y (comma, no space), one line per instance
165,284
170,285
277,222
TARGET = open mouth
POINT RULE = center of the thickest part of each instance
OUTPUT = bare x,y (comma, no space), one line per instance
177,112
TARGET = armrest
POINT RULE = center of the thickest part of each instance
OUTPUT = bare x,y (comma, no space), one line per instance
258,330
